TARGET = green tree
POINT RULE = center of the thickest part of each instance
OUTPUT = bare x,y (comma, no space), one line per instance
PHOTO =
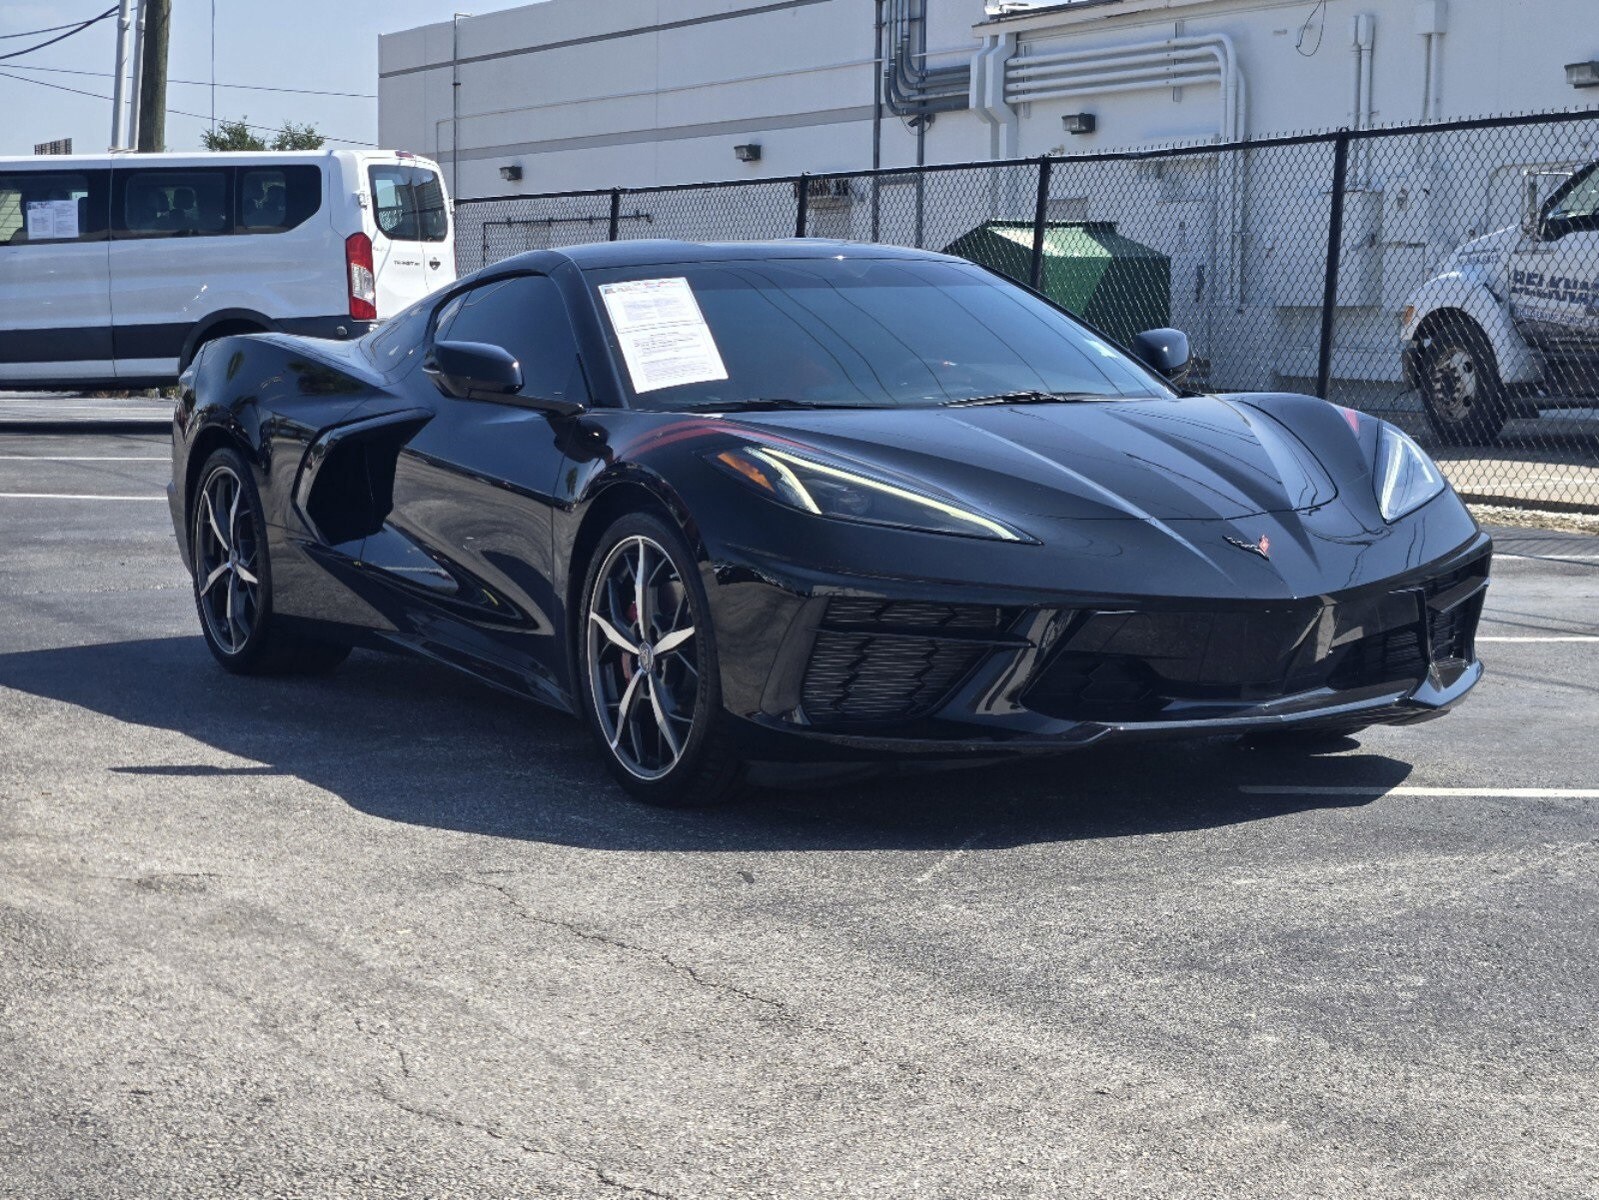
231,135
298,137
240,135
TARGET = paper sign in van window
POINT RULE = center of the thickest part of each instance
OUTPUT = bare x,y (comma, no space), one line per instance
664,338
52,220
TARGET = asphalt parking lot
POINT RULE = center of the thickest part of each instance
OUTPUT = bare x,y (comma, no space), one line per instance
389,933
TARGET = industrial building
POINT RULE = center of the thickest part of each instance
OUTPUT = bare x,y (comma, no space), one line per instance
568,95
572,94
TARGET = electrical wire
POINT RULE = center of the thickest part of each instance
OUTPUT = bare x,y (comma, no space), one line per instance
1299,42
6,37
238,87
73,32
175,111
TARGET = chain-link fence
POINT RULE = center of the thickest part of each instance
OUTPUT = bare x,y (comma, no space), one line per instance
1445,276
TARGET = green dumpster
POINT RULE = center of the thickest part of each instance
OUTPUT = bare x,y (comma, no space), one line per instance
1114,283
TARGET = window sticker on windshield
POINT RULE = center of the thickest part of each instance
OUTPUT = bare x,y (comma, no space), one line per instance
52,220
665,340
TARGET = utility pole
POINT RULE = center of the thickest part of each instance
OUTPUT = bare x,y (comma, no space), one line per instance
132,141
119,95
157,18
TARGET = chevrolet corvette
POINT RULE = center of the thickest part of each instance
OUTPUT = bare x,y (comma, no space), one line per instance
810,501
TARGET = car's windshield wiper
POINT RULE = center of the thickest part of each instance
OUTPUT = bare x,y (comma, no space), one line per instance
1025,398
759,404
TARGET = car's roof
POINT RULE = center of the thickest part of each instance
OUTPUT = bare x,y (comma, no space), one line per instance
651,252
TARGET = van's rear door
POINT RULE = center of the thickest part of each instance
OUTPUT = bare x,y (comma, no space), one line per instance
412,253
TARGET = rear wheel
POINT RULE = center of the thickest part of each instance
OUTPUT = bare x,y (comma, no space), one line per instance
233,578
651,691
1460,385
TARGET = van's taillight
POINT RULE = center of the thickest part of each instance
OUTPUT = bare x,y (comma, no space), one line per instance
363,281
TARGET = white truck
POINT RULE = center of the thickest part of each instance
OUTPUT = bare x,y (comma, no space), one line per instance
1511,325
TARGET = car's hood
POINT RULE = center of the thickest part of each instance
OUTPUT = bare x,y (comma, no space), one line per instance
1198,458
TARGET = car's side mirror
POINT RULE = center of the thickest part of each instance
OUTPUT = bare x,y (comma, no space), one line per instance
474,370
1165,351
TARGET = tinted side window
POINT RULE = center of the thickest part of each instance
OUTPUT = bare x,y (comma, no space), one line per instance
51,207
408,204
179,203
277,199
526,316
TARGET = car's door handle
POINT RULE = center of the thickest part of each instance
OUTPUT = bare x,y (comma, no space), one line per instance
435,263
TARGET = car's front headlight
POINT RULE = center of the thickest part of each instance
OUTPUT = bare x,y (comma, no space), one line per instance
1406,477
834,490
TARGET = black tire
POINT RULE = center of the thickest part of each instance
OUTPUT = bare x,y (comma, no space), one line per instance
238,626
1460,385
689,761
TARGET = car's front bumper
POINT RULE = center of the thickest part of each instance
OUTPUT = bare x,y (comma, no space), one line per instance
1043,679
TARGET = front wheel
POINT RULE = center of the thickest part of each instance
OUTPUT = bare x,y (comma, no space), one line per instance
1460,386
233,579
651,691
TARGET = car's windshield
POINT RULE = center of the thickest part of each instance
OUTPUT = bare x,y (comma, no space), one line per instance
846,332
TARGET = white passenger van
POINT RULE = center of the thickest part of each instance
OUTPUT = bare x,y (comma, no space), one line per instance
115,269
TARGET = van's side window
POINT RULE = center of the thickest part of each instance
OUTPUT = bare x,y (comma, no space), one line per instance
277,199
50,207
409,204
191,203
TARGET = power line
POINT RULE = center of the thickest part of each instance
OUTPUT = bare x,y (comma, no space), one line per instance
73,32
241,87
175,111
6,37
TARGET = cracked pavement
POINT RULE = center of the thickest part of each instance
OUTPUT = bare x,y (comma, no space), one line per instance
389,933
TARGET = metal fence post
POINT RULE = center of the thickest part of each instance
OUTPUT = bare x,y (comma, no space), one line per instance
1335,239
1035,271
616,214
802,209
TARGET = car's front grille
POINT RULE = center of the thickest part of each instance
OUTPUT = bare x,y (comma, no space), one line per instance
1118,666
848,611
893,660
1394,656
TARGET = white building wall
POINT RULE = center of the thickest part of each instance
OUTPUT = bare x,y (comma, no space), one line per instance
638,92
634,93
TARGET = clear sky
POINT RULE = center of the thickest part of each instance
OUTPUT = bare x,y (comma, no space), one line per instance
327,45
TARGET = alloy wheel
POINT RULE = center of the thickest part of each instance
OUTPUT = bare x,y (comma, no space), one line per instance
1455,384
226,561
642,663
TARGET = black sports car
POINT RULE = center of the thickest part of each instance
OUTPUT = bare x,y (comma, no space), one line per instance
816,501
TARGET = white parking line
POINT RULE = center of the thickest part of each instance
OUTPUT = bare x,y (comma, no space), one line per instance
1574,637
63,496
1378,790
1550,557
78,458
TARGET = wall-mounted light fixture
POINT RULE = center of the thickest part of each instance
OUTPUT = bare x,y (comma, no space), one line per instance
1581,75
748,152
1078,122
511,172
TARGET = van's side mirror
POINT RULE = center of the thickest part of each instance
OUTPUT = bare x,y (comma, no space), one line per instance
474,370
1166,352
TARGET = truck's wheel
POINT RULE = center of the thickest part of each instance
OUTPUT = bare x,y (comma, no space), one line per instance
1460,386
